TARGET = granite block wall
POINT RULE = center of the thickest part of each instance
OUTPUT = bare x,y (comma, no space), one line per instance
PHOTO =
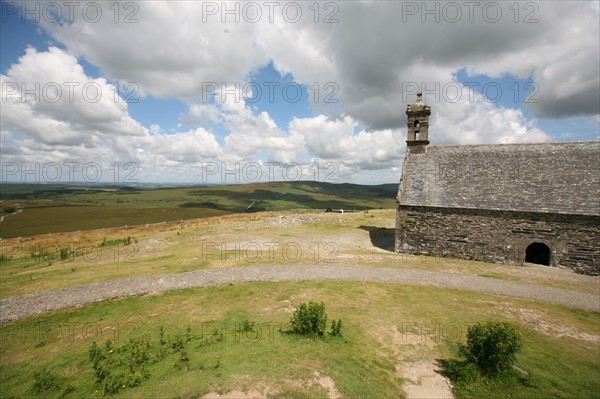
499,236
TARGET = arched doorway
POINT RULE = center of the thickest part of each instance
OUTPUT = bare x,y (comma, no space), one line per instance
538,253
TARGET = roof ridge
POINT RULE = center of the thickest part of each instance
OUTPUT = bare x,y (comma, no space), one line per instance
512,144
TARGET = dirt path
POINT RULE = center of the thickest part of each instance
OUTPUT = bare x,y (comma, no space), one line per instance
16,308
10,214
424,381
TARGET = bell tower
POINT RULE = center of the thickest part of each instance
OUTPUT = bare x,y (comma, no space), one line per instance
418,123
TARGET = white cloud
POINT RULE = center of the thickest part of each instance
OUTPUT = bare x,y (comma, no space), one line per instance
369,53
201,114
169,52
250,136
480,122
42,126
335,141
374,50
48,97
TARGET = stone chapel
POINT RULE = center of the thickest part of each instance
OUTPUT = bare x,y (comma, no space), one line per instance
506,203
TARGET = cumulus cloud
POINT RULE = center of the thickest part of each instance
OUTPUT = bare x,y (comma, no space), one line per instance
371,51
176,48
48,115
166,48
481,122
561,52
375,56
250,136
48,97
335,140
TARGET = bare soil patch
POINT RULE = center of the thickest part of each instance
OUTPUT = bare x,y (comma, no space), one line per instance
423,381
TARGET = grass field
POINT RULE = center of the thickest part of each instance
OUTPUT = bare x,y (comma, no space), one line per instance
43,209
60,218
362,364
34,264
387,327
366,239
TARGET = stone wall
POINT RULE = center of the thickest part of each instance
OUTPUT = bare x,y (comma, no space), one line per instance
499,236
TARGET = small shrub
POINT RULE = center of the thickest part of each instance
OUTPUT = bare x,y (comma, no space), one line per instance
138,351
309,319
182,361
64,253
247,326
188,333
336,328
460,371
112,384
135,378
9,209
161,336
492,346
177,345
118,367
43,381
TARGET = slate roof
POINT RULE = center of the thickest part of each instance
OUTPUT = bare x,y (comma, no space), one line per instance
540,177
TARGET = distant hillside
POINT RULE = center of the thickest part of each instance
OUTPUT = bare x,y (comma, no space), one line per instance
31,209
294,195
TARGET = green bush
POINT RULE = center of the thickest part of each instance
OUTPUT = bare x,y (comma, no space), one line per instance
43,381
460,371
492,346
309,319
336,328
117,367
247,326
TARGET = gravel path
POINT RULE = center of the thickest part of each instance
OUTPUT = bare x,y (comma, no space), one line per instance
16,308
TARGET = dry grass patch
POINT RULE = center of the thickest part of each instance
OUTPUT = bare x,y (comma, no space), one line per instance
268,239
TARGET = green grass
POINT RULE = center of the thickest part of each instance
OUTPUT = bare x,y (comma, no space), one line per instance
538,370
362,363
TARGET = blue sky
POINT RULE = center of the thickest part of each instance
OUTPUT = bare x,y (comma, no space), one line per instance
170,124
